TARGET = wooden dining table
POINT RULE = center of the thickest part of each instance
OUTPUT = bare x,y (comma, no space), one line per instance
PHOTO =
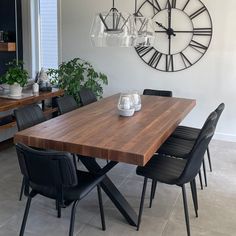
97,131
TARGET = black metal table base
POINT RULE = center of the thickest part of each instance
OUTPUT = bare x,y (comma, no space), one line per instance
110,189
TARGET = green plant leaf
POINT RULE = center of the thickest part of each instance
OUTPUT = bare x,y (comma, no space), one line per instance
76,74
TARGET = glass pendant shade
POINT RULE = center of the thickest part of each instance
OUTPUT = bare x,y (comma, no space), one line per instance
146,31
114,29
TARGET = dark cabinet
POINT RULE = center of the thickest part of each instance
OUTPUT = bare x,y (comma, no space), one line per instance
11,25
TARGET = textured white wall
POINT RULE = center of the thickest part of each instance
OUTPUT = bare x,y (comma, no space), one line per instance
210,81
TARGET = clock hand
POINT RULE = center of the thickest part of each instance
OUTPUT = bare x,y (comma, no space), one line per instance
168,31
169,18
162,26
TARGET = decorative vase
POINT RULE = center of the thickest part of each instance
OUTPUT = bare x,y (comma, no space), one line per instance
35,88
15,90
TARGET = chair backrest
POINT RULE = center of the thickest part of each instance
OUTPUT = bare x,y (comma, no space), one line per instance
66,104
163,93
28,116
86,96
46,168
219,111
194,159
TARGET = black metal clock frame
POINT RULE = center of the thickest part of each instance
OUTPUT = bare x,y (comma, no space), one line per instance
155,58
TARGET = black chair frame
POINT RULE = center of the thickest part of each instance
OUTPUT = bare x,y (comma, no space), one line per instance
60,181
159,168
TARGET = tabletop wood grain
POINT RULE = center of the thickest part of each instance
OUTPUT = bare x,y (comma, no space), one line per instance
97,130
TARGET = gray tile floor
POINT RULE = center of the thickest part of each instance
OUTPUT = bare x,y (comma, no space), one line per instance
217,202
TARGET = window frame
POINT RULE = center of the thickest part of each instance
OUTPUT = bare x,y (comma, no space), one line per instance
31,35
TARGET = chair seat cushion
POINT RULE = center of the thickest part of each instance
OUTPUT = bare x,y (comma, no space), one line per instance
86,182
176,147
163,169
186,132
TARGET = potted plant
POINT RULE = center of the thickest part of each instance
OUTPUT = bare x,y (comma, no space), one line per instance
16,77
77,74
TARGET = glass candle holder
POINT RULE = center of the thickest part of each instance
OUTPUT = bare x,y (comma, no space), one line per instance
126,105
137,100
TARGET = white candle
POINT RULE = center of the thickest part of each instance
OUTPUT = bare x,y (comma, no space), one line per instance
136,98
126,103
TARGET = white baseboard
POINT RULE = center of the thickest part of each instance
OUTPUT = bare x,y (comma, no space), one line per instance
225,137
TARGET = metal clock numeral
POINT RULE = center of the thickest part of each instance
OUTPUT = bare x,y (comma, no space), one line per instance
185,60
171,3
169,63
155,5
155,59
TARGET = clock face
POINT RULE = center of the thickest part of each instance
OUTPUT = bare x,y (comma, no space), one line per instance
183,33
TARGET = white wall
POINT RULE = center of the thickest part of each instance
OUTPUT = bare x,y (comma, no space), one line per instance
210,81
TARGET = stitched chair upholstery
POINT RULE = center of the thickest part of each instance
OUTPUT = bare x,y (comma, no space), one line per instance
153,92
191,133
177,171
86,96
27,117
60,179
66,104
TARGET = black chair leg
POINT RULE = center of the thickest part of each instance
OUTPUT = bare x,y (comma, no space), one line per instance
186,209
22,230
195,188
101,207
194,196
204,171
200,178
141,203
209,158
22,188
153,191
58,207
72,219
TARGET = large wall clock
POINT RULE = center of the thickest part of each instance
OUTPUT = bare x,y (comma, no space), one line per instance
183,33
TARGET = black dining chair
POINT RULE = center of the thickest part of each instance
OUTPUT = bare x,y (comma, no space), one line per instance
66,104
27,117
180,148
153,92
191,133
177,171
60,180
86,96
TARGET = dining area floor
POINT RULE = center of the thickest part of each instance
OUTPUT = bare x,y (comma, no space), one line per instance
217,203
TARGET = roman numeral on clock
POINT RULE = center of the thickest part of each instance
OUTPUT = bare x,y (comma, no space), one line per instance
185,60
172,3
155,5
155,59
198,46
142,51
169,63
186,4
198,12
202,31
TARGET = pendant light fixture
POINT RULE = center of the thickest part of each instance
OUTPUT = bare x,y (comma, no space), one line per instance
145,29
116,29
113,29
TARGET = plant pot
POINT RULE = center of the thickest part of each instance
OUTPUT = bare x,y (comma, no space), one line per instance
15,90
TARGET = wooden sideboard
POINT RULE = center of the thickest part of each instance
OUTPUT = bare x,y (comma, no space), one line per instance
11,104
